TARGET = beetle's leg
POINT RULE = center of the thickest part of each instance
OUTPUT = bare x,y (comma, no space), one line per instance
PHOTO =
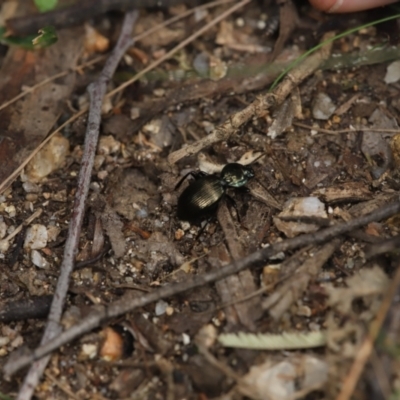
195,174
234,205
200,232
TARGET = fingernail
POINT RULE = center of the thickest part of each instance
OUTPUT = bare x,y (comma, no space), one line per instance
336,6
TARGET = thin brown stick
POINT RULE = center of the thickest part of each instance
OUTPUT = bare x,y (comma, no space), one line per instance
27,222
50,79
357,129
98,316
366,348
97,91
260,105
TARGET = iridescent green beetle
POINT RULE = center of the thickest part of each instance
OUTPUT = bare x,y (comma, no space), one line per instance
200,199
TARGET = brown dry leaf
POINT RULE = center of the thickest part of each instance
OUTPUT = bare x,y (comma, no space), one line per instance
162,37
235,39
367,283
284,380
344,192
284,115
310,207
25,124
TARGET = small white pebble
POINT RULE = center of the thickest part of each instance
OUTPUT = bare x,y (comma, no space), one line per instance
185,339
38,260
160,307
36,237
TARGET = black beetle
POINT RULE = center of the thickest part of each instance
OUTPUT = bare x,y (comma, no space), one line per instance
200,199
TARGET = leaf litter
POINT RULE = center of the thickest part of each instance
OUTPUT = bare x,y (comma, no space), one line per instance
150,136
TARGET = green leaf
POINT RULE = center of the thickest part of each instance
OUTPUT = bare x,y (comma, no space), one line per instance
25,42
47,36
285,341
45,5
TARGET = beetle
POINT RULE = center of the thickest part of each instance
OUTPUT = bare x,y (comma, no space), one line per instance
201,198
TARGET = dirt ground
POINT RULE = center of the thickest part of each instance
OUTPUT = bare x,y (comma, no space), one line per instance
324,156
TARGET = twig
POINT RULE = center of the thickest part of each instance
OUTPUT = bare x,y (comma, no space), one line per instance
260,105
366,348
27,222
21,310
79,12
50,79
120,307
356,129
97,91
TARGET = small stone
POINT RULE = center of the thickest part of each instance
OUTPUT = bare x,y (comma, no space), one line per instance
323,106
304,311
38,260
135,113
169,310
4,246
11,211
179,234
3,228
160,92
393,72
31,197
89,351
31,187
36,237
98,161
102,175
160,307
47,160
52,233
108,145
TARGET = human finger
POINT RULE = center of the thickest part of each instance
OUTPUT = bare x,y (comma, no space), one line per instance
345,6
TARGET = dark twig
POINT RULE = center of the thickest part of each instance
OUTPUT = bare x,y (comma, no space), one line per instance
97,91
21,310
78,13
118,308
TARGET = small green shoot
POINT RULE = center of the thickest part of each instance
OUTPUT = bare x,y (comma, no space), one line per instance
45,5
47,36
315,48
